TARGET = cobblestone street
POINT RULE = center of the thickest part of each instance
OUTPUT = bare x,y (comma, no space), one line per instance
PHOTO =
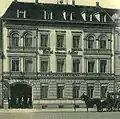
38,114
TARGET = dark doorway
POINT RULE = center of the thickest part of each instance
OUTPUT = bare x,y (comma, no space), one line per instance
21,96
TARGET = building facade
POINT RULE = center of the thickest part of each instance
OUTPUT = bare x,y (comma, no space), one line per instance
56,52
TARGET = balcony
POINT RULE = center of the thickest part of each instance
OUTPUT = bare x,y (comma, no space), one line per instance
97,51
50,75
45,51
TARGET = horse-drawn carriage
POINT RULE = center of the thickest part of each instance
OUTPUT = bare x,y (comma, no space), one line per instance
110,103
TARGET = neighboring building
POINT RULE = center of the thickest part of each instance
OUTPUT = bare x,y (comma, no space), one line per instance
56,52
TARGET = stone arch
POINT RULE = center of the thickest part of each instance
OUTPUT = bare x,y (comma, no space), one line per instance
103,35
25,33
89,35
13,32
20,94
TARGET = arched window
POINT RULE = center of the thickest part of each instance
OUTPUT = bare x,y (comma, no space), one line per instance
103,42
90,42
28,40
14,40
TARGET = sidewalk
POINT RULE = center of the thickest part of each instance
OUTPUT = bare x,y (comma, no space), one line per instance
47,110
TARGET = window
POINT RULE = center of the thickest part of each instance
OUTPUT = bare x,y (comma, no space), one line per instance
76,90
76,40
28,40
91,66
44,40
103,44
15,40
103,91
60,65
60,41
48,15
103,65
90,90
90,42
76,64
28,65
44,66
21,13
60,89
15,64
44,91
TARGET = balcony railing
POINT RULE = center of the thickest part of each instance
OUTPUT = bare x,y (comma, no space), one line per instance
50,75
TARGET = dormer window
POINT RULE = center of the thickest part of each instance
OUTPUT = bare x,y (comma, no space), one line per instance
48,15
97,16
67,15
21,13
83,14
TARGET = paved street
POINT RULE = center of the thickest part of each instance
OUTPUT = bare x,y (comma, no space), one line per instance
30,114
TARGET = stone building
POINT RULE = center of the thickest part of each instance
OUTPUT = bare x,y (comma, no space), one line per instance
56,52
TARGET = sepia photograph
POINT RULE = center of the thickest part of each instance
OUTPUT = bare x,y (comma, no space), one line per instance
60,59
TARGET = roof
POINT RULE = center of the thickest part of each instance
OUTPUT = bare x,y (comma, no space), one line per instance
35,11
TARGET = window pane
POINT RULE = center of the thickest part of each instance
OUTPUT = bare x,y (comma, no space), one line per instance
102,43
76,65
15,40
28,65
90,91
44,66
76,91
60,41
103,91
44,91
15,64
28,40
76,41
90,66
44,40
91,42
60,65
103,65
60,91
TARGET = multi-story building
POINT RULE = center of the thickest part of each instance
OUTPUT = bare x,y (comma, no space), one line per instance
53,53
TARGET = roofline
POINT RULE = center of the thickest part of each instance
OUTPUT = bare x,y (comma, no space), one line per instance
59,21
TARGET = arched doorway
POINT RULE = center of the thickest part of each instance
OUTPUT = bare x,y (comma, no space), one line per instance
20,96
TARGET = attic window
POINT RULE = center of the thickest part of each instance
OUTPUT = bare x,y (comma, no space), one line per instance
21,13
48,15
67,15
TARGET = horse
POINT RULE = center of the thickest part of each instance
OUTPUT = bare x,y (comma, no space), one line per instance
91,102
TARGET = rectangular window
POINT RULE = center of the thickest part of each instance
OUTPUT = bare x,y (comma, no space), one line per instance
103,65
60,89
102,43
15,41
76,90
28,65
28,41
44,66
60,41
44,91
103,91
44,40
90,90
76,64
91,66
60,65
76,40
15,64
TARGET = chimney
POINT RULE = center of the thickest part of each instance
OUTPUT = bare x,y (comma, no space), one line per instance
36,1
15,0
97,4
61,1
73,2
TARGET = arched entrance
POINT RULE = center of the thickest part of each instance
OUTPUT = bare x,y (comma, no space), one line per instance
20,96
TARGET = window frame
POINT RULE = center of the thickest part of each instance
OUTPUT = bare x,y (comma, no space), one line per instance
60,95
15,58
44,91
26,58
91,94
